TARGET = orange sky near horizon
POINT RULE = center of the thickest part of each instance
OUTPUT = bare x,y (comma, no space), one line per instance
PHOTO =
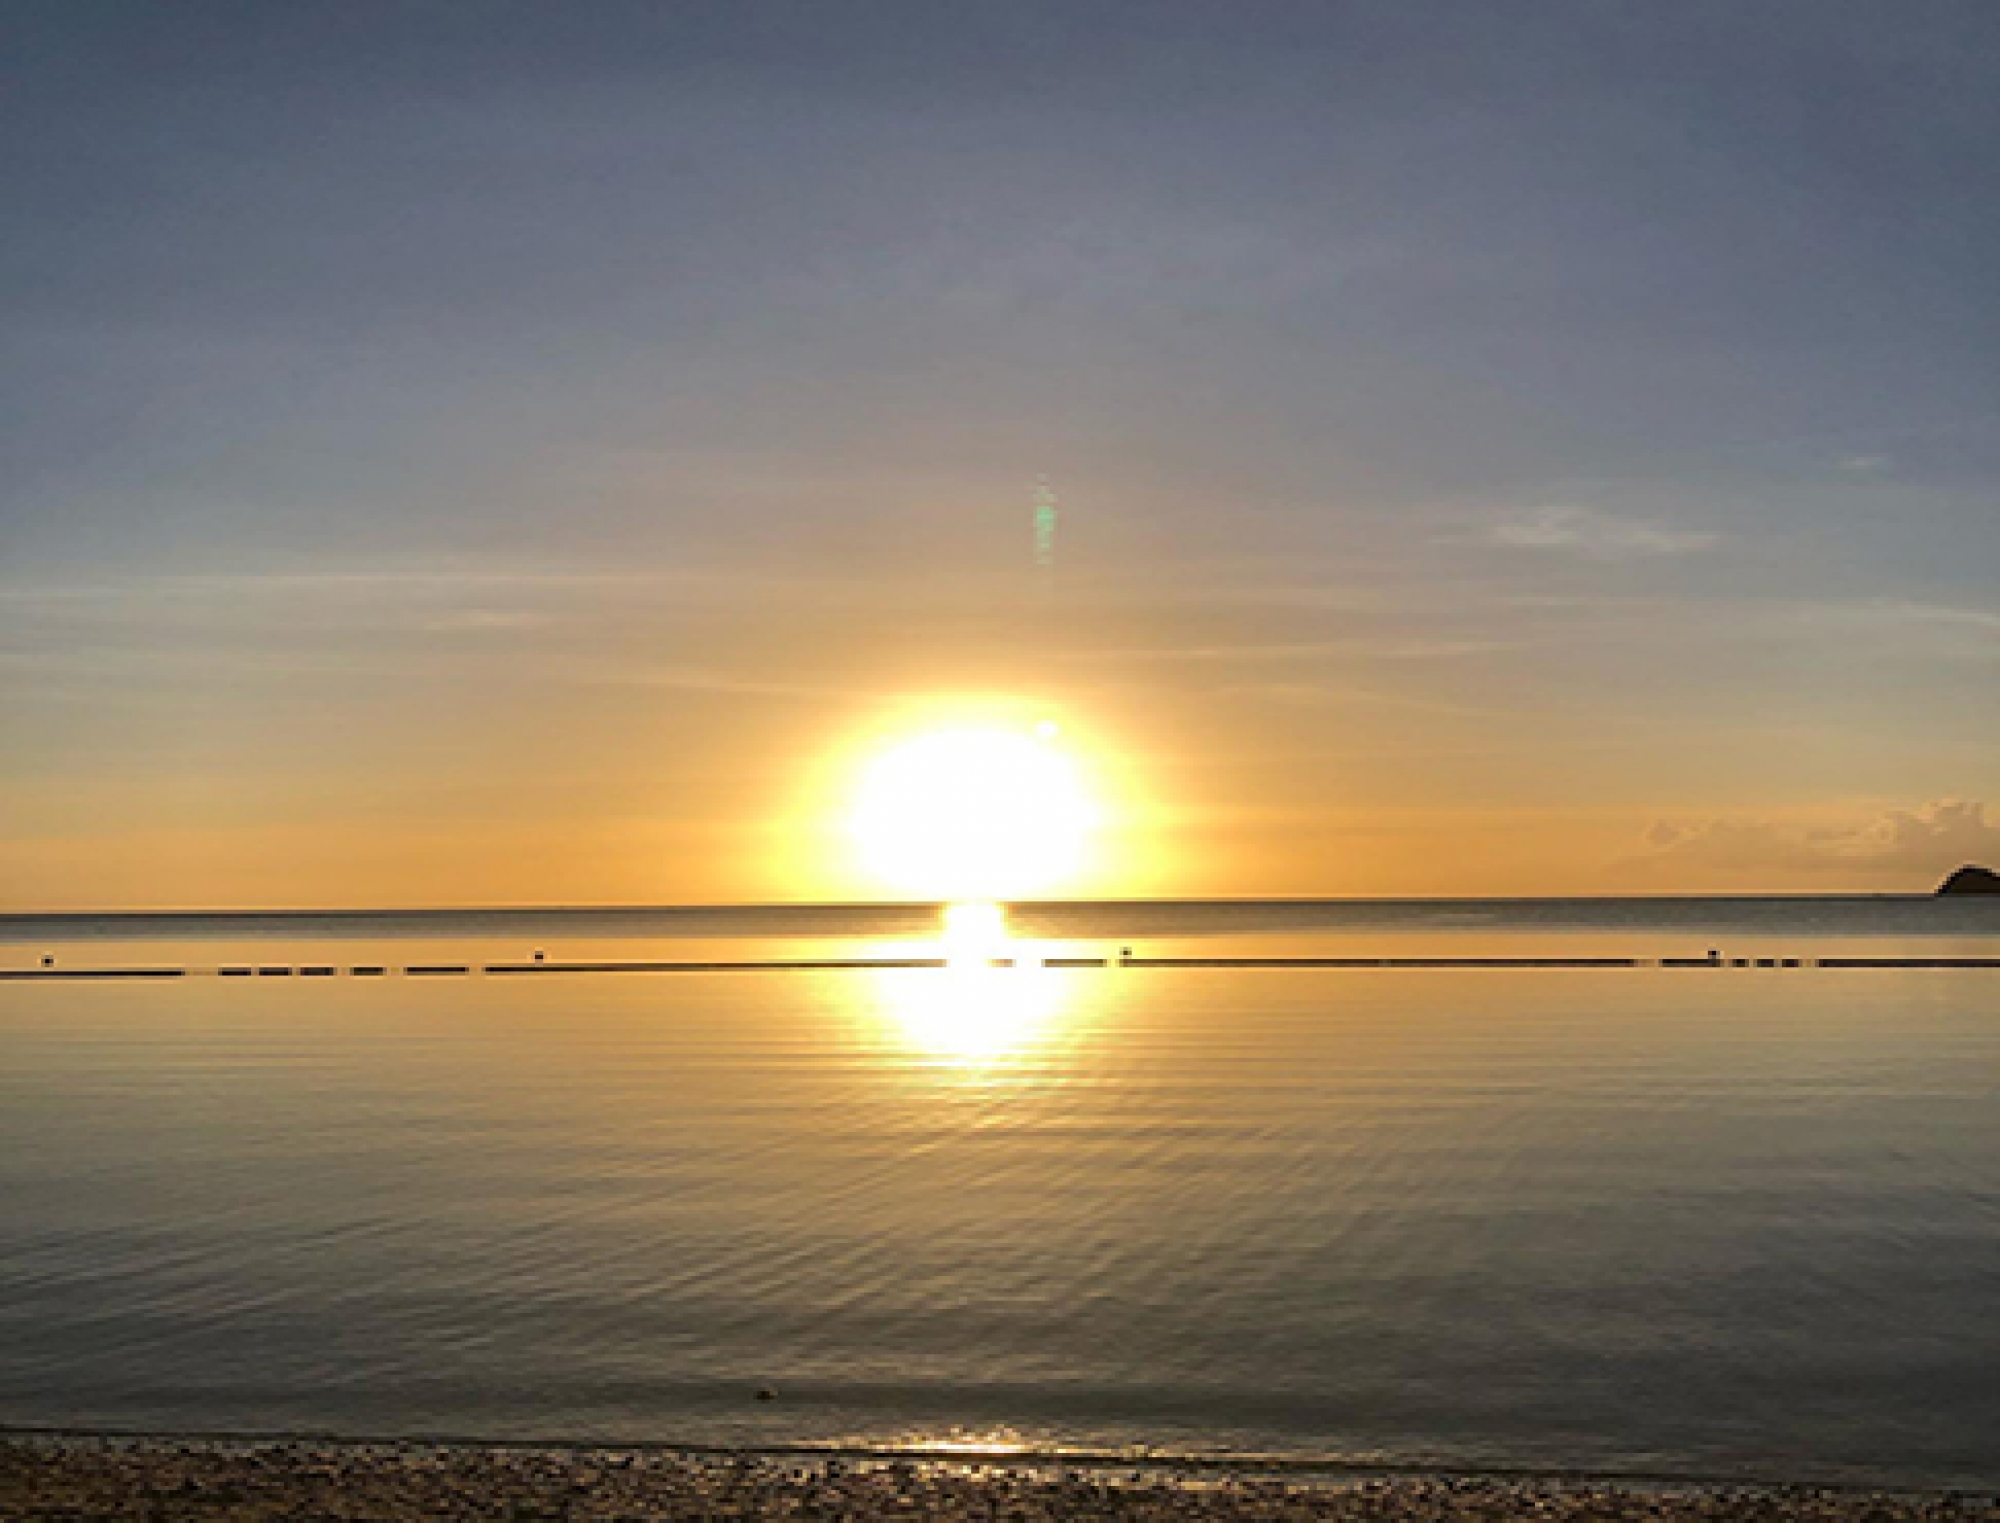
462,741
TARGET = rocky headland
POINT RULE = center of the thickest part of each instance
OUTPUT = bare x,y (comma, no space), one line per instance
1971,880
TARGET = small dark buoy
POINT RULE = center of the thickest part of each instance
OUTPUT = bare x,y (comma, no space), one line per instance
1714,955
540,954
767,1393
1124,953
48,962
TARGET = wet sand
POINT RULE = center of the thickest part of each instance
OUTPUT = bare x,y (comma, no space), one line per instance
102,1478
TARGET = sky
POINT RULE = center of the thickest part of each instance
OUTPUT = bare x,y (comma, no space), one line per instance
478,452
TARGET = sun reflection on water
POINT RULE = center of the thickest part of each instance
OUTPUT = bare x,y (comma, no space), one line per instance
992,1000
966,1443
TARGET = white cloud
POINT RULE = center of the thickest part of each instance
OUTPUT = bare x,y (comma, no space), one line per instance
1930,839
1594,534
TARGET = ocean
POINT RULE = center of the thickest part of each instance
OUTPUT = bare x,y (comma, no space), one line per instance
1666,1218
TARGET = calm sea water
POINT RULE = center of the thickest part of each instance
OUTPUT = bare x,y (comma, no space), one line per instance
1690,1220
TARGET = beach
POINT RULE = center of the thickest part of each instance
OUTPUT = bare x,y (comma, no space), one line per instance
77,1477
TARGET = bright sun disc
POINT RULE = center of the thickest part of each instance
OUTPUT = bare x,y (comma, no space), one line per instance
973,814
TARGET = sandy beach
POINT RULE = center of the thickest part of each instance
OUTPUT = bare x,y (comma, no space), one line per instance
101,1478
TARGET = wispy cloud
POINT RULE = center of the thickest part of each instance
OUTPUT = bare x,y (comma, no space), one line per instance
711,680
1930,839
1594,534
475,621
1372,648
1903,614
1898,627
1323,695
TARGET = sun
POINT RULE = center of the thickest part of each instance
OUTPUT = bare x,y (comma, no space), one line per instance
980,812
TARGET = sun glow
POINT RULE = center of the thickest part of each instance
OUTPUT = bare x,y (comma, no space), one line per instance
977,812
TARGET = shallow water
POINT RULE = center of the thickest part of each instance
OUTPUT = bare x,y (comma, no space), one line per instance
1698,1221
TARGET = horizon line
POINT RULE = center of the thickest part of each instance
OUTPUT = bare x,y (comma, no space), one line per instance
892,905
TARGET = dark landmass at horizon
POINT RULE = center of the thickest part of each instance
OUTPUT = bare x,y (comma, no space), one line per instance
1971,880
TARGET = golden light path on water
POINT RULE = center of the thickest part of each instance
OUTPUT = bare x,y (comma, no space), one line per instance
992,1000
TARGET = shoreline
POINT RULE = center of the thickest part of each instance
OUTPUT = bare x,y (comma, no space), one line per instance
75,1473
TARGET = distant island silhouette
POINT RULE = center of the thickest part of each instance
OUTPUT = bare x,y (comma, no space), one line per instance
1971,880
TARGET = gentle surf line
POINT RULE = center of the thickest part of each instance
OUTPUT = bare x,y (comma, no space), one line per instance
1166,1463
